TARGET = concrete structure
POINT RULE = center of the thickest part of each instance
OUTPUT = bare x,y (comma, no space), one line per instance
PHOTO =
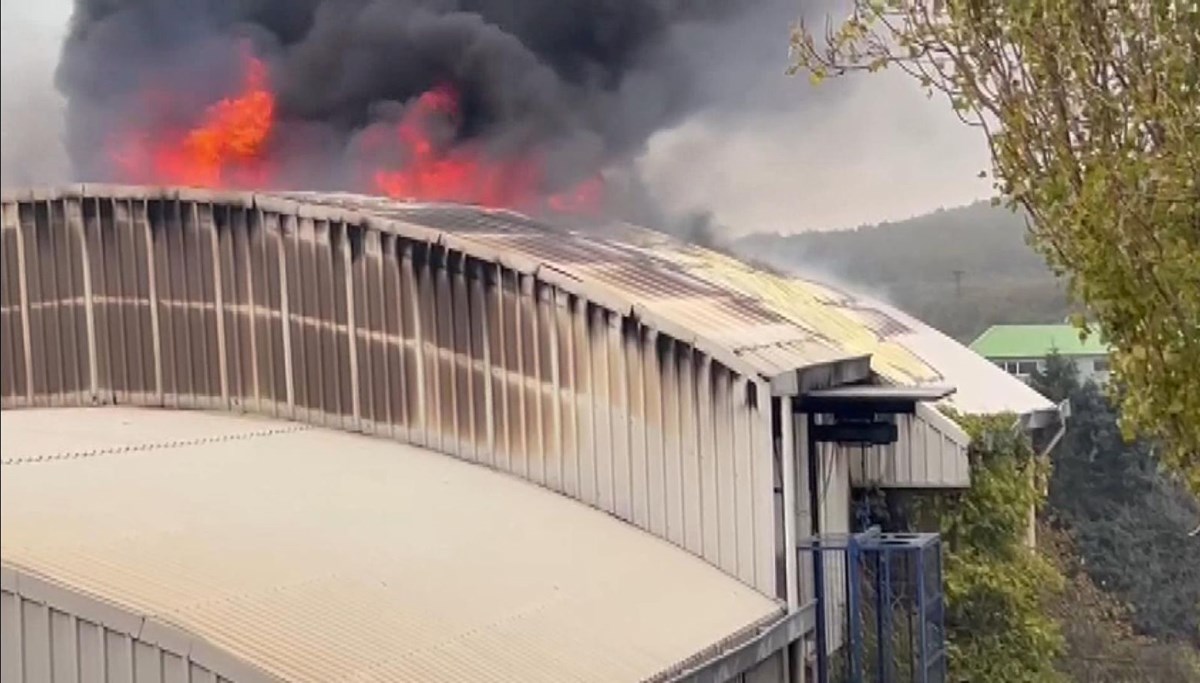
672,387
1021,349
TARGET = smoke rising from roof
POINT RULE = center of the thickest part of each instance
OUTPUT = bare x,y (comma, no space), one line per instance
583,82
721,140
771,153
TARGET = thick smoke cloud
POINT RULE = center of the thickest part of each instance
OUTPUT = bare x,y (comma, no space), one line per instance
584,81
735,145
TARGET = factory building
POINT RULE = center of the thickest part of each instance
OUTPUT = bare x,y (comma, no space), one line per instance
437,442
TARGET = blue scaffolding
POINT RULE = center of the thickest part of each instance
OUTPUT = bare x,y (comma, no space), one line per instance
880,607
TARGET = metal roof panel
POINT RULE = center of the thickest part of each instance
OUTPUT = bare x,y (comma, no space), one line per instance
723,306
321,555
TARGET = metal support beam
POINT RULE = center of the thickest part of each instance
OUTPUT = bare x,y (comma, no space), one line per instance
865,433
818,562
787,454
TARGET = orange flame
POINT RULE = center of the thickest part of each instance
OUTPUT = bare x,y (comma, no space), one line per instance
230,147
465,173
226,148
234,131
586,197
462,173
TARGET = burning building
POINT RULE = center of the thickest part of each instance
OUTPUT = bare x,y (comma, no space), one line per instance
454,285
723,413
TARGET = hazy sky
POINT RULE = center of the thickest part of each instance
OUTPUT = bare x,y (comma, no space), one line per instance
30,108
773,156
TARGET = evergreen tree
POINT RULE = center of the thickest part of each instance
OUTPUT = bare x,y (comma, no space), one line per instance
1130,521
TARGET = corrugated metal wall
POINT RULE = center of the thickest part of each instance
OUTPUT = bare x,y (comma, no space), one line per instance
42,644
930,453
49,634
289,310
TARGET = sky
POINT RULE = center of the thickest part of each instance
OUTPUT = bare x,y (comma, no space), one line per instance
772,153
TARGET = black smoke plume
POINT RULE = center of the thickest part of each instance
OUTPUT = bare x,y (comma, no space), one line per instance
585,81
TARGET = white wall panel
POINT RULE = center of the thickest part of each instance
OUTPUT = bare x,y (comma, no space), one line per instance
931,452
45,643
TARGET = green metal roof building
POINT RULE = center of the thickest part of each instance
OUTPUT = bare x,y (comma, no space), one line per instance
1021,348
1036,341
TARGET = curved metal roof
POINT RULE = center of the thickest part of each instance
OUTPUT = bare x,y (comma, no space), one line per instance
618,266
755,322
307,554
775,322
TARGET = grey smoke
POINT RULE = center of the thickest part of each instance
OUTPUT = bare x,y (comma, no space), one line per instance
772,153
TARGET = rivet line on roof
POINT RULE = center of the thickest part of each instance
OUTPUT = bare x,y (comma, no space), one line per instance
133,448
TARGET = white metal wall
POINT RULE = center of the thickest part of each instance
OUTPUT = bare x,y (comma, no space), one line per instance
41,643
931,452
834,498
833,486
51,634
295,312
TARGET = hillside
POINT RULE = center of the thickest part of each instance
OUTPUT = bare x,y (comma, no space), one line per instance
958,269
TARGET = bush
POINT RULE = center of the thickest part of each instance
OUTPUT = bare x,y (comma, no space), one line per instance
997,589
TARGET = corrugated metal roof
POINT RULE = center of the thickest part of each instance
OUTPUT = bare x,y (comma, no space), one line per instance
324,556
352,320
624,267
774,321
752,320
903,350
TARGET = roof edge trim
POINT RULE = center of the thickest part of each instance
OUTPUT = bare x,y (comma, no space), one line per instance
771,637
822,376
945,423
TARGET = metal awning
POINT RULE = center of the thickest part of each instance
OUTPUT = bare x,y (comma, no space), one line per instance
870,398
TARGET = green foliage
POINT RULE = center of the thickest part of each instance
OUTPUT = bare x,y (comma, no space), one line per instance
1129,521
997,588
960,270
1100,645
1092,114
996,619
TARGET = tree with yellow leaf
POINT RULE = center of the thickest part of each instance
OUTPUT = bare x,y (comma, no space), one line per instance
1091,109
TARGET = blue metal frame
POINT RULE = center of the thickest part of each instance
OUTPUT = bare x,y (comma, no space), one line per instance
903,573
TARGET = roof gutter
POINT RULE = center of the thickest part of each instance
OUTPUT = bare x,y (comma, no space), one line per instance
770,639
1036,421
